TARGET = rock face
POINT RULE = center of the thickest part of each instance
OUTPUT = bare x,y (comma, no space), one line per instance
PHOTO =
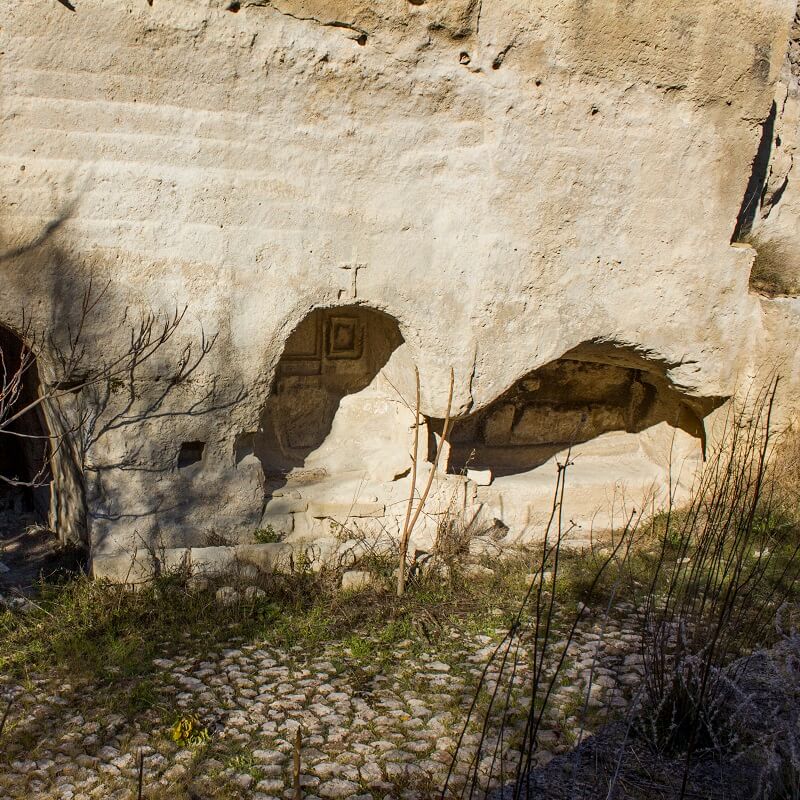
540,196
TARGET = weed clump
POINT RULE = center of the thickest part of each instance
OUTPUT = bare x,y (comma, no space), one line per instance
188,731
268,535
725,566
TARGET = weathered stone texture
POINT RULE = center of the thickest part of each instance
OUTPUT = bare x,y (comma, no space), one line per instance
508,181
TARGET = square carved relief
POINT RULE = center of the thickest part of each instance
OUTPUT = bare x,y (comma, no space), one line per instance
345,337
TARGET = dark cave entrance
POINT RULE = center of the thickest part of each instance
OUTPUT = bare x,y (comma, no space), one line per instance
25,475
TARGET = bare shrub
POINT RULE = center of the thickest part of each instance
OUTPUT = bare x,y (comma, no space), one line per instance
454,538
724,568
544,630
708,579
465,543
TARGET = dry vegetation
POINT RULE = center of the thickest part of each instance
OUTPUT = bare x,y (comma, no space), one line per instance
714,584
720,697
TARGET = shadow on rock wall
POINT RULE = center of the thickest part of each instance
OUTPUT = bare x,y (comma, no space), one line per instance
332,353
115,380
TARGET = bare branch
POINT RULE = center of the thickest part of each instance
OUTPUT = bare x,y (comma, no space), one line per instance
79,399
409,526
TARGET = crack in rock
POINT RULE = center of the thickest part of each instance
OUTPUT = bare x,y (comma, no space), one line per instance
335,23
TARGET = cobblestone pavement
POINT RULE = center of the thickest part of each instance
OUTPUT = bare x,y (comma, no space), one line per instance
371,727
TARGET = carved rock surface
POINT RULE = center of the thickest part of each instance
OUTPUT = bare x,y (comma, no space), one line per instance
522,192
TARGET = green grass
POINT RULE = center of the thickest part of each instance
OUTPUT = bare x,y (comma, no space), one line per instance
109,634
93,629
245,763
142,695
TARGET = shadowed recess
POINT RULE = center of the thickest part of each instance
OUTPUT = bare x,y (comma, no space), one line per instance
590,391
758,178
24,450
332,353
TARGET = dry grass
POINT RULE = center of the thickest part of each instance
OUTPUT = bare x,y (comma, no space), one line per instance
708,581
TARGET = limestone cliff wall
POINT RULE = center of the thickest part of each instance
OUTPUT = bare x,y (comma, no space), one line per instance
507,180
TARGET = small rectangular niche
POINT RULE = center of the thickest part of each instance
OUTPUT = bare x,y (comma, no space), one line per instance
243,446
190,453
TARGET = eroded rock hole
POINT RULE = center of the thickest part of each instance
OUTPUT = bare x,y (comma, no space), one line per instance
332,353
567,402
190,453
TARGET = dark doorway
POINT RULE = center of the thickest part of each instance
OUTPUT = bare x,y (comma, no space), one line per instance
28,549
24,445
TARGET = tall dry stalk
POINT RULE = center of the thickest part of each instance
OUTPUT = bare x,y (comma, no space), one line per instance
723,569
542,627
411,521
401,569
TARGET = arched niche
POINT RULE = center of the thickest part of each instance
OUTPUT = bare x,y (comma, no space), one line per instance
332,353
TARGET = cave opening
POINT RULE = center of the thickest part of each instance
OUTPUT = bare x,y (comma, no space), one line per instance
572,400
25,475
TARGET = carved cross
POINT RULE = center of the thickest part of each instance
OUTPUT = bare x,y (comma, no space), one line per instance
354,266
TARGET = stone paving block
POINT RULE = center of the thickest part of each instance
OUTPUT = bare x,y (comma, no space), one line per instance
133,568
